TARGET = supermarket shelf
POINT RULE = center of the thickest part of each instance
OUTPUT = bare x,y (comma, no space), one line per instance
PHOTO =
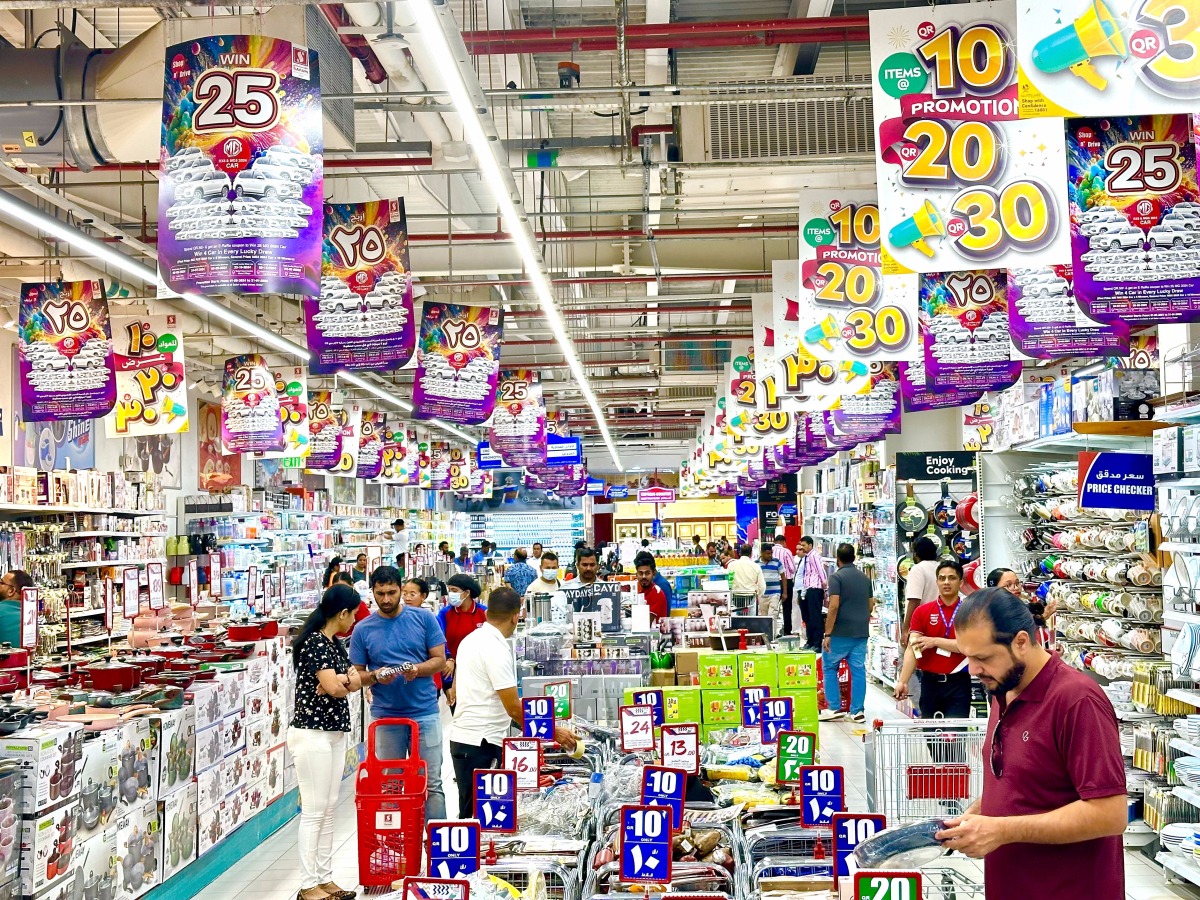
879,676
1179,547
1184,746
72,535
53,510
111,562
1179,865
97,639
1187,795
1124,715
1183,696
84,614
1071,442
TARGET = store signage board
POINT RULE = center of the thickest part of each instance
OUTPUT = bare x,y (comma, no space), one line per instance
596,487
29,617
435,889
822,793
524,757
602,597
618,492
887,885
797,749
645,844
957,465
850,830
538,714
563,451
656,495
1116,480
637,728
662,786
681,748
129,592
496,799
486,457
775,716
654,699
752,697
154,581
453,848
560,691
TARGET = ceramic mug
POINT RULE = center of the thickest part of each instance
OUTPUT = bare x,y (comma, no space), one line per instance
1140,575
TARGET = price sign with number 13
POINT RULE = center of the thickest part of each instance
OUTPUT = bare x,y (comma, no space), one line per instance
681,748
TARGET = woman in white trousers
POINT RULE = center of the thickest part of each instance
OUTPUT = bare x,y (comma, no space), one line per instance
318,734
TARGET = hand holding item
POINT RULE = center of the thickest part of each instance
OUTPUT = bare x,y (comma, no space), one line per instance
452,695
901,690
565,737
973,835
448,672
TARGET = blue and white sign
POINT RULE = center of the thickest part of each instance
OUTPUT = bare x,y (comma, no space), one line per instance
486,457
822,793
596,487
850,830
776,715
618,492
496,799
539,717
788,509
1116,480
453,848
563,451
653,699
646,844
752,698
665,787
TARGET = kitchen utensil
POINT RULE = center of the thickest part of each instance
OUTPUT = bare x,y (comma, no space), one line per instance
911,515
944,510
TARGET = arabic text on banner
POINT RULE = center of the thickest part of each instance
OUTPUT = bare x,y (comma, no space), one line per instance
370,444
250,421
325,432
965,327
151,381
291,391
518,424
458,363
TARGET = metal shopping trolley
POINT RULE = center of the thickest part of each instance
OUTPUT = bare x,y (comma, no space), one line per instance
923,768
390,796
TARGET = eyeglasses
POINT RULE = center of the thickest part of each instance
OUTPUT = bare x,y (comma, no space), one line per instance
997,759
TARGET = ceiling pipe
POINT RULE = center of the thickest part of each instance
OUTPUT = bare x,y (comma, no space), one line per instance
366,162
670,35
609,279
612,234
729,335
664,309
356,45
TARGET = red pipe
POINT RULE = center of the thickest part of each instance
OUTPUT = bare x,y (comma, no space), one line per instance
669,35
609,234
636,339
356,45
633,311
376,162
618,279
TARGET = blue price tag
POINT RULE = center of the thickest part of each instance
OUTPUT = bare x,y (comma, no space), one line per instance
775,714
822,793
645,844
850,830
496,799
539,717
453,848
653,699
665,787
751,698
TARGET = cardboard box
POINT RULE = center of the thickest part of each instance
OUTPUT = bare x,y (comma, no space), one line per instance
662,677
256,764
49,755
687,662
256,704
758,669
41,863
233,771
173,754
258,736
277,719
179,813
210,829
718,670
209,751
210,788
277,760
797,670
231,687
98,782
233,732
235,809
681,705
689,680
134,781
256,797
139,849
206,697
720,706
258,670
289,779
95,858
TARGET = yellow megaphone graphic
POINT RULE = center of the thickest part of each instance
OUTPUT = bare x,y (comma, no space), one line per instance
1095,33
822,333
925,223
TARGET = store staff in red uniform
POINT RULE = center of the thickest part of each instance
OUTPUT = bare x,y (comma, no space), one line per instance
646,569
1054,803
459,617
933,651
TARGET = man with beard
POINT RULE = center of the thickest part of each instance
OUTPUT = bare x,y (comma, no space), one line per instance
1053,809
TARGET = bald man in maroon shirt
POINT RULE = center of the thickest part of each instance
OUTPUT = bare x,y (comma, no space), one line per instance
1054,804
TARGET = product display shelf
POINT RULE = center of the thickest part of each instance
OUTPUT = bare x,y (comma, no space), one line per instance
556,530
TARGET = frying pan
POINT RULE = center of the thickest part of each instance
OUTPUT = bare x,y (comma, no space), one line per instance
966,512
965,545
944,510
911,515
934,535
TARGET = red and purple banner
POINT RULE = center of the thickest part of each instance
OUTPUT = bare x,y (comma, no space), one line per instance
518,425
458,363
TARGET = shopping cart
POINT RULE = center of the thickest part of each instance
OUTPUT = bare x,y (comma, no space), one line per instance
923,768
526,873
390,797
743,604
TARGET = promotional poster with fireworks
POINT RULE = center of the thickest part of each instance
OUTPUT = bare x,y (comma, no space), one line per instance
918,396
458,363
364,318
324,432
240,167
964,323
518,425
371,444
1134,207
66,352
250,421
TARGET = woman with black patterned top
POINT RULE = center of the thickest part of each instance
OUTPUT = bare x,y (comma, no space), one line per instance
318,733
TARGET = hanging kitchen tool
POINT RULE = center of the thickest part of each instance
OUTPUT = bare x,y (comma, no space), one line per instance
944,510
911,515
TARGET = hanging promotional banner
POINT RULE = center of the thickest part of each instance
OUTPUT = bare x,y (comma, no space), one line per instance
291,392
350,418
218,472
65,352
410,474
518,425
762,312
240,178
874,413
1135,215
965,326
151,385
1108,57
482,484
740,392
1111,480
325,432
372,427
1046,323
435,465
918,396
458,363
364,317
392,468
556,423
843,313
250,421
961,182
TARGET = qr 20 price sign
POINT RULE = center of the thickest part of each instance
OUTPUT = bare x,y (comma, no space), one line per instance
961,182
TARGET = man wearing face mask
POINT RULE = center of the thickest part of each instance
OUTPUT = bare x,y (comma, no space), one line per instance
458,618
547,581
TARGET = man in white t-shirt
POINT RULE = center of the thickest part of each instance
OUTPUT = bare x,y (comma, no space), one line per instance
488,704
921,585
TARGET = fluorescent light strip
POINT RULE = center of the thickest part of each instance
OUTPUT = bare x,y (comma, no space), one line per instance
429,21
376,391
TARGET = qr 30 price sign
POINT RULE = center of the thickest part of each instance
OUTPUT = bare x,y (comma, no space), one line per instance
887,886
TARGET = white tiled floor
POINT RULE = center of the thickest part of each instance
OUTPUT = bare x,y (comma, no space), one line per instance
271,871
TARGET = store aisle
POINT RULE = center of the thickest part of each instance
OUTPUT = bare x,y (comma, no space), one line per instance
271,871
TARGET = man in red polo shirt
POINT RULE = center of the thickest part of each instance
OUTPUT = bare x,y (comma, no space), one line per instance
1054,805
646,569
933,651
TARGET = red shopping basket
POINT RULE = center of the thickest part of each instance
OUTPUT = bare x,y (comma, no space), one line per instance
390,796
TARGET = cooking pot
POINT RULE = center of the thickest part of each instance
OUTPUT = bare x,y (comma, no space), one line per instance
9,681
183,664
13,657
114,676
150,664
965,513
247,631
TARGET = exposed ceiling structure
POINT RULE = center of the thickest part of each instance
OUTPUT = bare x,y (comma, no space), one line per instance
679,161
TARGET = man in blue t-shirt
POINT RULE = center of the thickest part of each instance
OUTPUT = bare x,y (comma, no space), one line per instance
769,604
395,635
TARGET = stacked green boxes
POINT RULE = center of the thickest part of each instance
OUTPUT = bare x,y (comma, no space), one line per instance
681,705
718,670
798,670
758,669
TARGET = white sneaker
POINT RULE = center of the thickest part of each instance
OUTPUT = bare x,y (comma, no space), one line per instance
859,717
831,715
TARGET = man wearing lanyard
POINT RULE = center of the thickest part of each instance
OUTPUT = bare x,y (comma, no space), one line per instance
933,651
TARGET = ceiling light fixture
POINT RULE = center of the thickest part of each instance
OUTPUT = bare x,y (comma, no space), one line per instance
439,29
376,391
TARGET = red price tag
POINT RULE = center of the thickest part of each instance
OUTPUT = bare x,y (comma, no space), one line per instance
681,748
29,611
154,580
193,581
524,756
252,586
637,728
129,592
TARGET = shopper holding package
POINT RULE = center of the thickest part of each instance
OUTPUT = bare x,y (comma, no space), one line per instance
318,734
399,635
488,703
1054,804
